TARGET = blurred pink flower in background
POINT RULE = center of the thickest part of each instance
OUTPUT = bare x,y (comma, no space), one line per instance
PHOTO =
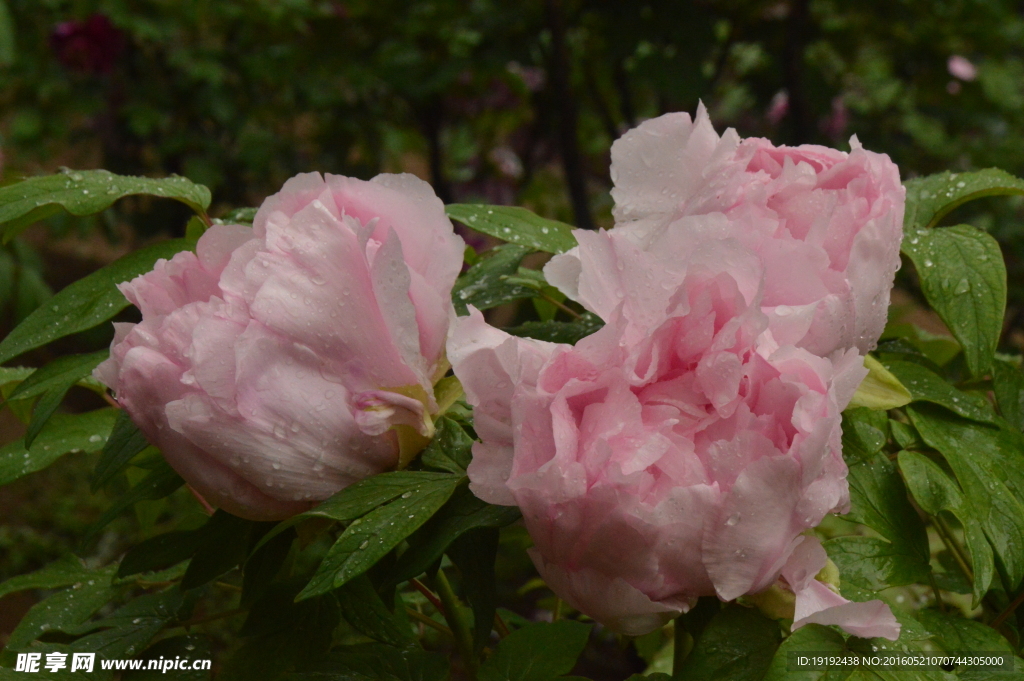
279,364
962,68
90,46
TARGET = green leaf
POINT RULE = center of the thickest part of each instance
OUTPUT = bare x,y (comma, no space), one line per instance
158,483
559,332
359,499
963,277
956,634
63,611
87,302
159,552
1008,386
515,225
474,554
463,512
865,432
537,652
878,499
986,473
737,645
63,572
371,537
224,543
132,626
927,386
375,662
124,443
936,492
264,564
930,198
363,608
875,564
484,285
52,382
450,450
244,216
66,433
283,634
811,638
879,389
86,192
192,647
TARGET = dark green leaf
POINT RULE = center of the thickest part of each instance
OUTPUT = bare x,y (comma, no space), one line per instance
956,634
930,198
537,652
936,492
158,483
63,572
132,626
284,634
657,676
375,662
264,564
927,386
964,279
515,225
86,192
87,302
1008,385
185,648
875,564
125,441
371,537
224,543
878,499
63,611
811,638
52,382
159,552
359,499
239,216
363,608
865,432
450,450
559,332
463,512
737,645
981,467
474,554
484,286
66,433
7,50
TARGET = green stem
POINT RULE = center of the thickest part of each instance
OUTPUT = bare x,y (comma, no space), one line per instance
681,648
423,619
954,548
458,621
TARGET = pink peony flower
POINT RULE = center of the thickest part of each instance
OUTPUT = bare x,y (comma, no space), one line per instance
678,452
273,365
825,224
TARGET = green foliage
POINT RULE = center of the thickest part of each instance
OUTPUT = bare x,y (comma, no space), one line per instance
931,198
87,302
85,192
484,286
124,443
51,383
515,225
736,645
65,434
964,279
537,652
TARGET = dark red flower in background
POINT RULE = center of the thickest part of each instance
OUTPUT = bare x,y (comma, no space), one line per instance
90,46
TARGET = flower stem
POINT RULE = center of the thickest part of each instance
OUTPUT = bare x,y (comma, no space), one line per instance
459,623
423,619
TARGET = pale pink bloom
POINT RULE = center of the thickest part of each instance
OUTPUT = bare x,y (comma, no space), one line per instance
825,224
962,68
271,364
778,107
678,452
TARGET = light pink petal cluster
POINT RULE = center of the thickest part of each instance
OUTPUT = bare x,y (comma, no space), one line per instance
264,364
685,449
826,225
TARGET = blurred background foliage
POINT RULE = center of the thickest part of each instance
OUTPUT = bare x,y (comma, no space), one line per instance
495,101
